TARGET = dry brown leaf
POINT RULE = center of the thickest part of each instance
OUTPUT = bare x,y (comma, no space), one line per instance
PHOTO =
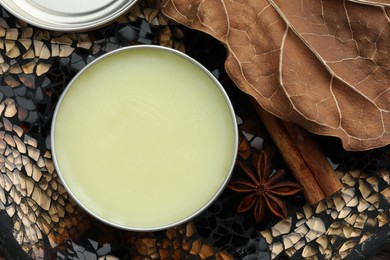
322,64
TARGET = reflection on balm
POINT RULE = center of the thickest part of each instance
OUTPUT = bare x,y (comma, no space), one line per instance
144,138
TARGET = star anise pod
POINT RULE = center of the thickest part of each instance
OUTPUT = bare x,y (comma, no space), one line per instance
263,189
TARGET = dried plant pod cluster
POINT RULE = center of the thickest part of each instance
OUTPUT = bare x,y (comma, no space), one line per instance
31,194
182,242
320,64
335,228
360,207
36,49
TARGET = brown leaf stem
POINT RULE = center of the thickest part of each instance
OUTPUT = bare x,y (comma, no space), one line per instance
285,144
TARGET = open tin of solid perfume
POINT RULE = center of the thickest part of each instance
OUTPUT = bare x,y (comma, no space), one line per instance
68,15
144,138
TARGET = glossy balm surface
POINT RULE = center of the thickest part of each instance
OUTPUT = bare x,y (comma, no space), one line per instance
144,138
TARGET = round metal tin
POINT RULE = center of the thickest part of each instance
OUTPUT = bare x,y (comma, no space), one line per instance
231,163
69,15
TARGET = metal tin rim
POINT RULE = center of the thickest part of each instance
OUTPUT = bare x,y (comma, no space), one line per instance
26,15
217,193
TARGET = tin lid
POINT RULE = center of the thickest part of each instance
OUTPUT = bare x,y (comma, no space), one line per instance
68,15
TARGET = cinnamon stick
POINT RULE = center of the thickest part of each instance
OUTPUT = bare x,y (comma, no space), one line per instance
290,153
315,159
